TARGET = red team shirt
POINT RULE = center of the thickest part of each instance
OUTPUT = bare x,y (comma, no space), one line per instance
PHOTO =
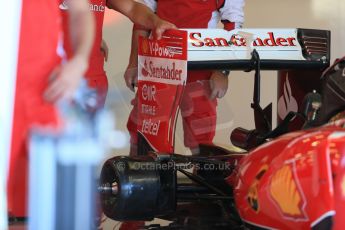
38,55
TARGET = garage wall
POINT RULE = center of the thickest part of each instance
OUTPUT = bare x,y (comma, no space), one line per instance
234,110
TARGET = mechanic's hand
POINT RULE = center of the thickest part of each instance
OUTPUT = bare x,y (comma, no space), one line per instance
65,79
160,27
218,84
105,50
131,77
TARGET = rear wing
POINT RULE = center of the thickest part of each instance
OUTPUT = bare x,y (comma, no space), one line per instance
278,48
163,64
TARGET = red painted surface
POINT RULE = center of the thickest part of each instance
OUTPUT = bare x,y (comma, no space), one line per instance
339,193
288,183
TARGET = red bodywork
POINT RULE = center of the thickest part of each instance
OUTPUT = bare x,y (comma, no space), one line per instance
288,183
339,194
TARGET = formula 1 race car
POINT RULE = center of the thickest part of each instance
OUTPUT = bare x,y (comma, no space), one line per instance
279,179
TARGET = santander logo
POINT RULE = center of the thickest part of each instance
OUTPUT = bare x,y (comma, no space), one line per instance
168,72
197,40
144,71
286,102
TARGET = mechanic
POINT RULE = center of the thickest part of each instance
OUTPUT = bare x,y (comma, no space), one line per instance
138,13
198,106
42,80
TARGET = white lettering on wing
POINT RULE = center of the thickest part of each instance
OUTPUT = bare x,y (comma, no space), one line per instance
165,72
150,127
148,92
92,7
157,50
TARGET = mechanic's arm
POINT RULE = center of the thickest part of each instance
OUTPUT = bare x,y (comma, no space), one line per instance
219,84
131,74
141,15
66,78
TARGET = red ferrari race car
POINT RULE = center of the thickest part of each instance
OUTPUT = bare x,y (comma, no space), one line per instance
278,180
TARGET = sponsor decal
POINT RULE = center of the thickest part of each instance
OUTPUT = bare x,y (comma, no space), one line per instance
93,6
148,109
287,196
286,102
155,49
198,40
144,70
148,95
252,196
148,92
150,127
168,72
272,44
